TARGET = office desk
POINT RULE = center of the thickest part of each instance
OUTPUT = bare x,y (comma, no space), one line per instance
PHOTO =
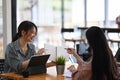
50,75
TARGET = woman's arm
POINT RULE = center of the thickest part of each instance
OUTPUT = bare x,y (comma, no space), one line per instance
25,63
75,54
12,59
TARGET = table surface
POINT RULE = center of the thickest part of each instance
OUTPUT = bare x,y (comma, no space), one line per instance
51,74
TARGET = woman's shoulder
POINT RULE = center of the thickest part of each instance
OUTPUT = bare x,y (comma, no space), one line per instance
10,44
10,48
15,43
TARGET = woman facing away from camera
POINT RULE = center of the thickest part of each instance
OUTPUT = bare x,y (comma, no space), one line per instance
20,50
102,65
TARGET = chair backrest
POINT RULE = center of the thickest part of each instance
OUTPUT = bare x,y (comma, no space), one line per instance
84,51
82,48
2,65
117,55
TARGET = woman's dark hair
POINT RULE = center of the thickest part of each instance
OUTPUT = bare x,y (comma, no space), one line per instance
26,26
103,64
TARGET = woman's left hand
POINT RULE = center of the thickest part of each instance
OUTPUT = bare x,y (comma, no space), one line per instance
72,68
41,51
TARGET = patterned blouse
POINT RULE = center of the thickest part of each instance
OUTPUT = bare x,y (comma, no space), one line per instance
85,71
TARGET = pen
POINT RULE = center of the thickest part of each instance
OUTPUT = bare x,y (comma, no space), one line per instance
66,48
71,60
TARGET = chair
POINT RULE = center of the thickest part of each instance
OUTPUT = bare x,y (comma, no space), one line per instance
68,36
117,55
84,51
2,66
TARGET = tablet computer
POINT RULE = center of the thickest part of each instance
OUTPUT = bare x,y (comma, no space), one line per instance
38,60
37,64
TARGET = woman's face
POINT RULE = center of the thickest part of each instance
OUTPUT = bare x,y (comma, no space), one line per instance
29,36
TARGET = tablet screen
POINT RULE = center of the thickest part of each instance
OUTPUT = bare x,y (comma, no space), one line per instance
38,60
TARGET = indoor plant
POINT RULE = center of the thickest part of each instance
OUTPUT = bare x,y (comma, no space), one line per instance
60,64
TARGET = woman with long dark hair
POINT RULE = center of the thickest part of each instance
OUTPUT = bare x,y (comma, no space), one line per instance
20,50
102,65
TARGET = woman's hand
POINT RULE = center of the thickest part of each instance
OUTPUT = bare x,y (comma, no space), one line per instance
71,51
25,63
41,51
72,68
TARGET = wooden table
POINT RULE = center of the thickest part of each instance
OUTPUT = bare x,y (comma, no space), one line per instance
50,75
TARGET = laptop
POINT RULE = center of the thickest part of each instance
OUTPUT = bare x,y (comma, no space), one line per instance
37,64
117,55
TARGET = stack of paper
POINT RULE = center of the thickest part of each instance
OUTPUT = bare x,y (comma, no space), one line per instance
68,74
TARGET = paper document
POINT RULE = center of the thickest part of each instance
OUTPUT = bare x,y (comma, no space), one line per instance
55,51
68,74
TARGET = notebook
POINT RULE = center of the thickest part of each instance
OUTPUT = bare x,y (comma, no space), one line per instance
37,64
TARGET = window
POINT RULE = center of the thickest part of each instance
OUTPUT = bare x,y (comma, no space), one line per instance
113,12
1,31
46,14
73,13
95,13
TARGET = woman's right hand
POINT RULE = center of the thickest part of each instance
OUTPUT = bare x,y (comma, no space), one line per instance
41,51
72,69
25,63
71,51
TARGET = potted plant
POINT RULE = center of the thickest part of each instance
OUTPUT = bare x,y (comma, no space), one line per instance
60,64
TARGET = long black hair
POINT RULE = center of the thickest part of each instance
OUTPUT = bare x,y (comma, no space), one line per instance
103,64
26,26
